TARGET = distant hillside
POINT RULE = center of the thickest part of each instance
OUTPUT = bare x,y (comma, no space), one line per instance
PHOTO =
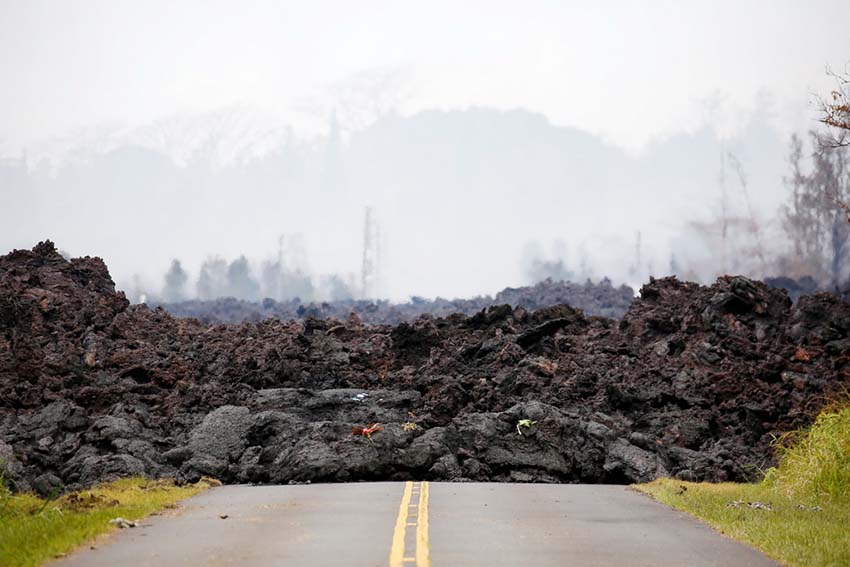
460,195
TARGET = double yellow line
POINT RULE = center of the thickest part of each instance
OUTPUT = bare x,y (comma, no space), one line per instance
412,515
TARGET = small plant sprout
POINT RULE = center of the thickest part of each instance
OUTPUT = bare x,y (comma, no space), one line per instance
527,423
409,426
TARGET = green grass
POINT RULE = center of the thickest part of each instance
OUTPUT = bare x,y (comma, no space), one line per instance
815,463
808,523
33,530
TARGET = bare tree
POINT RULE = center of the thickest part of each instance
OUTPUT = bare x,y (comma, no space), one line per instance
835,111
815,218
733,232
835,114
754,227
362,98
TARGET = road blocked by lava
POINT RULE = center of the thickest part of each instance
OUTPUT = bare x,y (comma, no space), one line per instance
693,382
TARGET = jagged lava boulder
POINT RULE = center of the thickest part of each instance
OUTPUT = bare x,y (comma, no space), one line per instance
693,382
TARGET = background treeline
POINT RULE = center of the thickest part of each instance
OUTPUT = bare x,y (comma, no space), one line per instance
469,201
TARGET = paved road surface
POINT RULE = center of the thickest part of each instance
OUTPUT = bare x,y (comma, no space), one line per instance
419,525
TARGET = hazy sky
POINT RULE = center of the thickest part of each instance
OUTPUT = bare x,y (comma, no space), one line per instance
629,71
460,193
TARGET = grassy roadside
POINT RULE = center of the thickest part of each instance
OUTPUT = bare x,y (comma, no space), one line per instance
33,530
799,514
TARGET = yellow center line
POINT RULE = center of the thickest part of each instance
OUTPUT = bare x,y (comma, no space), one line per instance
423,553
397,549
420,520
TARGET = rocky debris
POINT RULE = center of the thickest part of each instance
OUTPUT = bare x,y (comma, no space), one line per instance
599,299
806,285
693,382
796,288
122,523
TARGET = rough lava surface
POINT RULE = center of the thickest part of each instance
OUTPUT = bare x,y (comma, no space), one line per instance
600,298
693,382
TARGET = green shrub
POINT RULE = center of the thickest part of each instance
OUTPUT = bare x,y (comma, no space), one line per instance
815,462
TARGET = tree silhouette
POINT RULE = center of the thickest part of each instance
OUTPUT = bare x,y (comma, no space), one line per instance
212,279
175,283
240,283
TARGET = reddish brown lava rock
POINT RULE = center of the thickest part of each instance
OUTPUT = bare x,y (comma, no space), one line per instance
693,382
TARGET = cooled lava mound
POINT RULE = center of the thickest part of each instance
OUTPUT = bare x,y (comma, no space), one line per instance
693,382
601,299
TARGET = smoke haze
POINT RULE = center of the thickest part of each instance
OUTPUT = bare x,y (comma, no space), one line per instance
488,141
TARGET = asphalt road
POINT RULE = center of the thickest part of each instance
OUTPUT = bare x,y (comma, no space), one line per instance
419,525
